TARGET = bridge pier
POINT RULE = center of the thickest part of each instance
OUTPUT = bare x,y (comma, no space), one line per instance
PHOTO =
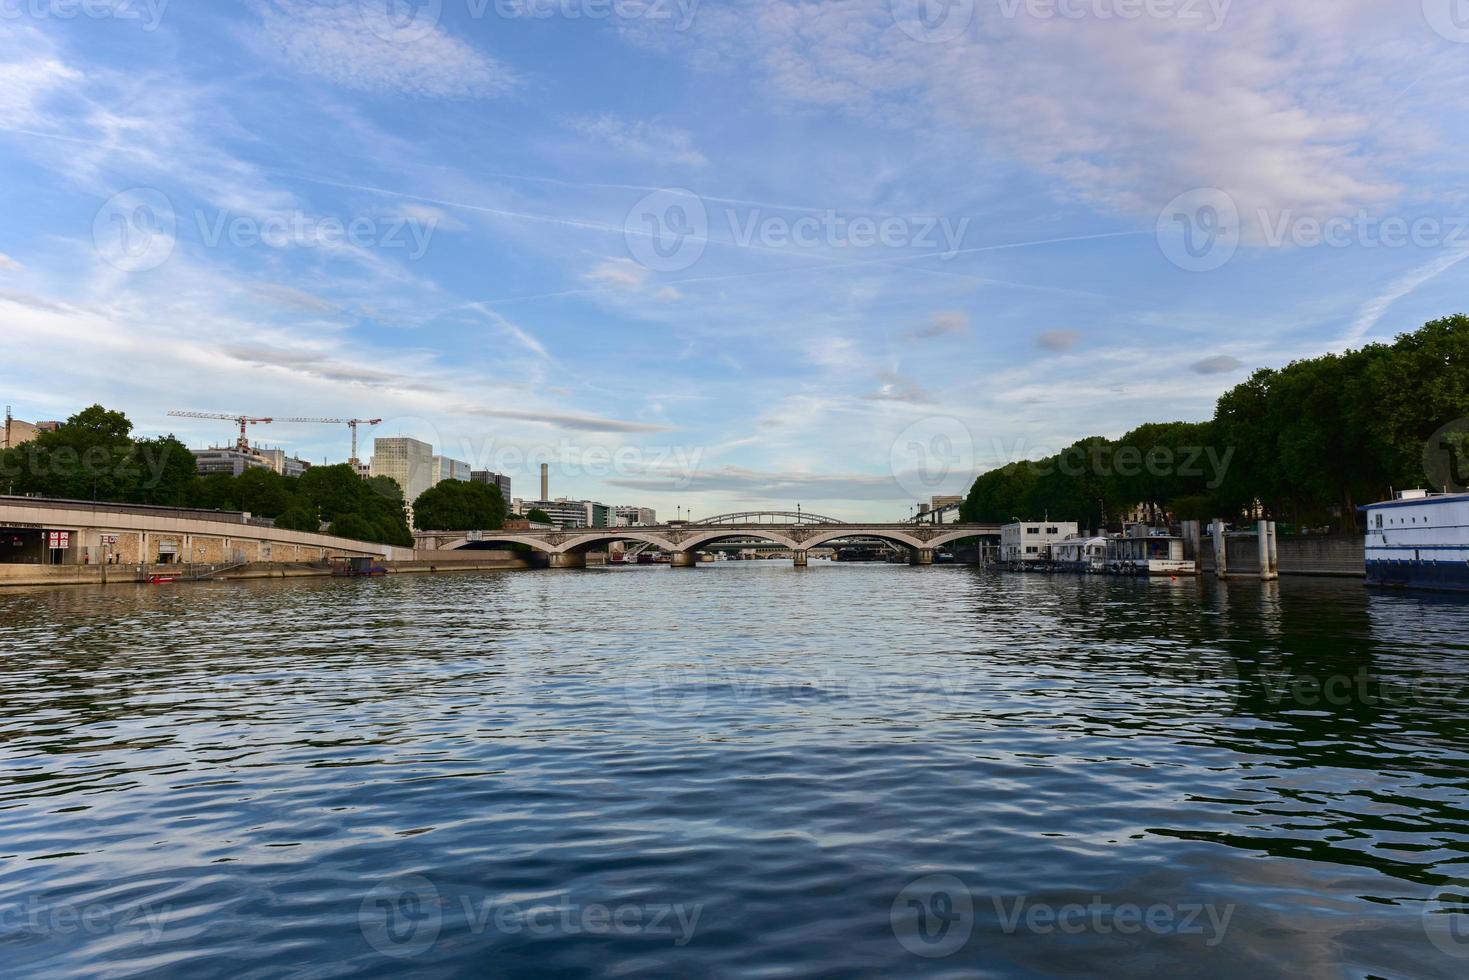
801,558
685,559
568,559
920,556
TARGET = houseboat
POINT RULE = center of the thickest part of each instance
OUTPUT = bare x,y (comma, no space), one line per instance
1419,541
1080,554
1145,551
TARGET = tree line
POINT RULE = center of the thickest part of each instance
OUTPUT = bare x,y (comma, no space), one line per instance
94,456
1305,444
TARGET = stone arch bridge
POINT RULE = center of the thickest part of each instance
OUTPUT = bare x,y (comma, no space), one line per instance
568,547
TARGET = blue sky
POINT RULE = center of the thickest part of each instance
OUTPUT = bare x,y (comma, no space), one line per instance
719,256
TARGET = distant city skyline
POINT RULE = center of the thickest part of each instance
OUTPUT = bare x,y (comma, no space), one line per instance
722,257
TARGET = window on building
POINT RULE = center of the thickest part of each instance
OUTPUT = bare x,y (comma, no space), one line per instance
1032,530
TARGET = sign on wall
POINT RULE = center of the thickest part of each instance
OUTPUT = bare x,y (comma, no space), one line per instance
58,540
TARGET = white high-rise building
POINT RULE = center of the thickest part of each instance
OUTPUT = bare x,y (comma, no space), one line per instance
634,517
410,462
450,469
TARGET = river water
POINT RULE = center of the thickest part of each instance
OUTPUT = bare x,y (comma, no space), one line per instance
743,769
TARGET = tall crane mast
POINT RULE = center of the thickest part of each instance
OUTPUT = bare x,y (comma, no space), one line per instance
243,421
349,423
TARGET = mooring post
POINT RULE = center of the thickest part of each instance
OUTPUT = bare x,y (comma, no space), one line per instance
1264,532
1193,544
1274,552
1221,553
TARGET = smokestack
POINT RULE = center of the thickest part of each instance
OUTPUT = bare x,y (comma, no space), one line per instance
545,481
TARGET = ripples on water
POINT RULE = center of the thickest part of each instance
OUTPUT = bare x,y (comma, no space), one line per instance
739,770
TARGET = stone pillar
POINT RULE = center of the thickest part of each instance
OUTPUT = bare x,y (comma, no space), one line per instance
1221,551
1263,530
920,556
685,559
568,559
800,558
1193,543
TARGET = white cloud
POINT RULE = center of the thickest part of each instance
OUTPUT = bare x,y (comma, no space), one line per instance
898,388
1282,106
26,84
655,142
335,41
621,274
8,264
1375,308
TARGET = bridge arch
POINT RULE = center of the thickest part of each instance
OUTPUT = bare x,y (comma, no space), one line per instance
694,542
462,543
588,541
944,539
891,536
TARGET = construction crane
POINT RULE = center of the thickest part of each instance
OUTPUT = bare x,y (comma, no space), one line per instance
349,423
243,421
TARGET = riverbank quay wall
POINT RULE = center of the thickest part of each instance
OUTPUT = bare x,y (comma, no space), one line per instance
59,575
127,534
1333,555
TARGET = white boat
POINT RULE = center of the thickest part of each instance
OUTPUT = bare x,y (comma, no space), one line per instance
1419,541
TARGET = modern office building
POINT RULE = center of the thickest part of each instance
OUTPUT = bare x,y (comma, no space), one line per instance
450,469
572,513
626,516
230,461
494,479
285,465
410,462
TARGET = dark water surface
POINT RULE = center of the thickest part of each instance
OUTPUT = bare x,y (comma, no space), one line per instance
736,770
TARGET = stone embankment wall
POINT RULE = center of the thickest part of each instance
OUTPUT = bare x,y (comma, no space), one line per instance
57,575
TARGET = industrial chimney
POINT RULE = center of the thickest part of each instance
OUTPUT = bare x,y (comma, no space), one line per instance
545,481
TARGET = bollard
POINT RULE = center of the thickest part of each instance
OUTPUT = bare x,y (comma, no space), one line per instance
1221,553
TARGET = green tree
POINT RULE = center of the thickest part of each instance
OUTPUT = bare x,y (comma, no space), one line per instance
299,517
454,505
162,471
85,459
537,516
